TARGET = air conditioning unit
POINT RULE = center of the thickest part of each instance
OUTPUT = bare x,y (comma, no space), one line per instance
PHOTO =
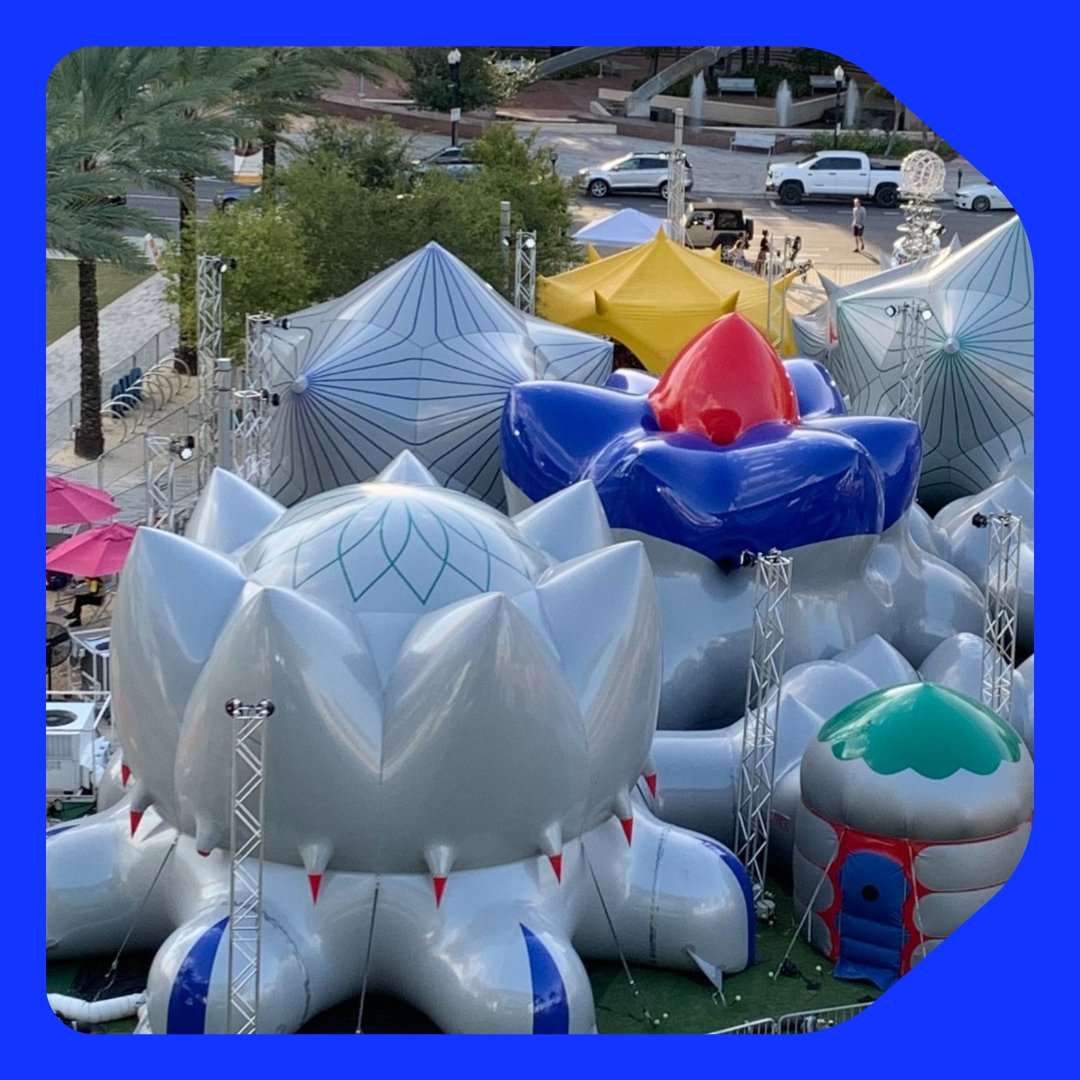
69,747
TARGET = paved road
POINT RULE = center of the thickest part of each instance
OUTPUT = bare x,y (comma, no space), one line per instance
730,176
166,207
825,228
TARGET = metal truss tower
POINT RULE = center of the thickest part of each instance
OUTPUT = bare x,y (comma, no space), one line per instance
915,316
253,401
1002,596
676,192
525,272
757,772
162,455
246,863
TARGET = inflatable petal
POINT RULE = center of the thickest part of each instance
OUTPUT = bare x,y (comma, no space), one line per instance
478,696
230,513
568,523
174,601
325,732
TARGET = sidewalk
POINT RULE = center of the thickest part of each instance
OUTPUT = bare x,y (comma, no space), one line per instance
126,324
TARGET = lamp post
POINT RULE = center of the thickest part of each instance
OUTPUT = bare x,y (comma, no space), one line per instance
838,75
454,59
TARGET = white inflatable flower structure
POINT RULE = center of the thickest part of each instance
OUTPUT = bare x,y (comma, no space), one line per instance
463,705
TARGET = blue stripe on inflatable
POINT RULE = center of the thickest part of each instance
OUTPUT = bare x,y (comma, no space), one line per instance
743,879
187,1002
551,1009
57,830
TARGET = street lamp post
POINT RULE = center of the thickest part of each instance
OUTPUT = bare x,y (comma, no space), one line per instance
838,75
454,59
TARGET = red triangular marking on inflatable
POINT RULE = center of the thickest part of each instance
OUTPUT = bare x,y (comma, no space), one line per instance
440,884
315,881
650,779
136,817
125,773
556,865
204,854
628,828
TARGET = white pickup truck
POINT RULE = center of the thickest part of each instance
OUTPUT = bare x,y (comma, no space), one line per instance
834,174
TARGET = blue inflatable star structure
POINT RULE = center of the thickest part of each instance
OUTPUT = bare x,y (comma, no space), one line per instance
778,485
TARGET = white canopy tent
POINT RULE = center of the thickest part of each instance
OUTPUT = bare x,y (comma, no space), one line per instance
624,229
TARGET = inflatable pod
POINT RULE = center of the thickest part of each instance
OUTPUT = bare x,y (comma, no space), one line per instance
734,450
916,808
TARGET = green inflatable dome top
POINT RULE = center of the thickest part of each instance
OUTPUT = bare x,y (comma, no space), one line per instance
928,728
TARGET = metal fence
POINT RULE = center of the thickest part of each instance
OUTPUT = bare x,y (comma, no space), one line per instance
60,421
121,470
800,1023
848,273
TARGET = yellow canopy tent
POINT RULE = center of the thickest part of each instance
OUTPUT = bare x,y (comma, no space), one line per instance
655,297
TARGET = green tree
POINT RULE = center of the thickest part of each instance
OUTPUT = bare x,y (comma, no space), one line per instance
354,208
521,172
429,79
271,273
110,112
210,76
374,155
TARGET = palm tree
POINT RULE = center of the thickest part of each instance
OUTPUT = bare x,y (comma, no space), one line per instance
112,119
288,81
210,75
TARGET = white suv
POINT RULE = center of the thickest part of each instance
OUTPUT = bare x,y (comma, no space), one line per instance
633,172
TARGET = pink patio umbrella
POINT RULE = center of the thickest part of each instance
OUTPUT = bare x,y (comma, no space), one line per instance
94,553
68,503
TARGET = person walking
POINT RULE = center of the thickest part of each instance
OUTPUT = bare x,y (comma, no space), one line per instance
858,224
763,253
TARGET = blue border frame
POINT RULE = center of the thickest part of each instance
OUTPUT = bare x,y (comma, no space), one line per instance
1004,973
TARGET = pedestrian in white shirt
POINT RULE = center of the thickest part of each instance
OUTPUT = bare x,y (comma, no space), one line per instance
858,224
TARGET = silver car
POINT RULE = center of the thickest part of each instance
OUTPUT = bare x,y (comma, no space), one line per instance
632,172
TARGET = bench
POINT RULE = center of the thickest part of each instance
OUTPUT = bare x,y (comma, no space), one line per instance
737,86
754,140
822,82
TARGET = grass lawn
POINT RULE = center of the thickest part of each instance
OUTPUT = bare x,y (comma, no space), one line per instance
683,1002
62,301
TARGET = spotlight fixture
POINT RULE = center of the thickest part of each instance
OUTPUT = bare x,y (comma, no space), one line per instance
183,447
891,311
926,314
222,265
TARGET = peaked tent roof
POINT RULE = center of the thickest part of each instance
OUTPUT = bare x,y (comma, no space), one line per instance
815,332
979,363
655,297
627,228
418,358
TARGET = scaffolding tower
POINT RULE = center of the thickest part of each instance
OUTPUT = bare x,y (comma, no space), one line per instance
211,269
915,316
1001,599
676,189
772,585
525,272
253,401
246,863
167,494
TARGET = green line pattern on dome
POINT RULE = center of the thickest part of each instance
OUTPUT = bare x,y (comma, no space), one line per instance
934,731
391,552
